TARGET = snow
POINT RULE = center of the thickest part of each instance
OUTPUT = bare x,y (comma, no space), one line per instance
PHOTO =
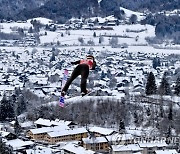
77,99
87,35
18,144
40,150
129,147
75,149
67,132
92,140
3,133
100,130
26,124
166,151
49,129
57,122
7,27
129,13
41,20
127,34
121,137
153,144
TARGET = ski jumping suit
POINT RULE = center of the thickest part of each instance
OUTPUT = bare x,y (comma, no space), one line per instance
82,69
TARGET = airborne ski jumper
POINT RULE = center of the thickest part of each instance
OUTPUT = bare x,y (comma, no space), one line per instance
82,68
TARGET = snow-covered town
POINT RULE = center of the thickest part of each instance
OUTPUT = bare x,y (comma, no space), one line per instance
124,57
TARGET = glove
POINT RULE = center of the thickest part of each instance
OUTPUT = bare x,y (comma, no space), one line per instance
72,63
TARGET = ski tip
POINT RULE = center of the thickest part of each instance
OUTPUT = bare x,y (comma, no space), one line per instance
61,101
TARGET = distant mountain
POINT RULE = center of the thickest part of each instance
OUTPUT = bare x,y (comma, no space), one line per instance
61,10
151,5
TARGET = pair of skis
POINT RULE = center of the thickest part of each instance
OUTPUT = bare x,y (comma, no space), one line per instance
65,77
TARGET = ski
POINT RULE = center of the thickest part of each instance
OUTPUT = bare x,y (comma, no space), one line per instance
62,99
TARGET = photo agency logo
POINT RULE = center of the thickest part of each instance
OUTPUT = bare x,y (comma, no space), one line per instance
157,139
129,139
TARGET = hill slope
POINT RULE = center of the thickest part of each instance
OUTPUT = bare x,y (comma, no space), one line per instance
65,9
14,7
57,9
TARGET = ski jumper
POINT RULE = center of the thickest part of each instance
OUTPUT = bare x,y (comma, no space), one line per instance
82,69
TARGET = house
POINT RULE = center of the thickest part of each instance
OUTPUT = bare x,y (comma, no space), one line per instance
150,147
111,23
66,135
39,133
72,148
27,125
99,131
121,139
8,135
39,80
6,88
96,143
104,143
19,145
50,123
126,149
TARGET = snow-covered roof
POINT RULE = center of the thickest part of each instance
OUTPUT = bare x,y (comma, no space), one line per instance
40,150
153,144
100,130
120,137
47,122
6,87
67,132
167,151
129,147
41,20
4,134
49,129
39,80
94,140
76,149
26,124
18,144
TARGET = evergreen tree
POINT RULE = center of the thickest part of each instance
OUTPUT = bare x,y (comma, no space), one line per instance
121,126
30,30
109,7
177,87
156,62
17,127
21,106
81,40
164,88
170,114
151,87
101,39
52,57
94,34
109,75
136,119
7,110
133,19
103,75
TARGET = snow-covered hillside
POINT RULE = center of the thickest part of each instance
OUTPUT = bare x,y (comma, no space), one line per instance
129,13
35,63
